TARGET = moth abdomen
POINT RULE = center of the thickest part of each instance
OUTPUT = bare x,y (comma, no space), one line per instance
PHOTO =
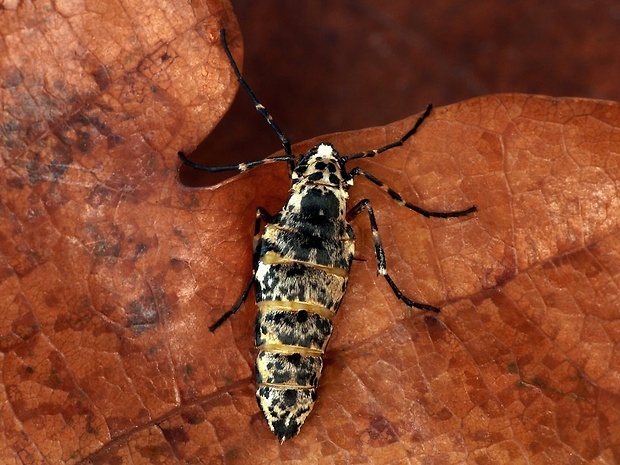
285,409
295,282
288,370
289,329
290,342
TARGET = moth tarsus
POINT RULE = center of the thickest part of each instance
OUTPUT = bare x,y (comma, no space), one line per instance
301,263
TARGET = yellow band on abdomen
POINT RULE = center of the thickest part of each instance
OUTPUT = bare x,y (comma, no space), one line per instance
294,306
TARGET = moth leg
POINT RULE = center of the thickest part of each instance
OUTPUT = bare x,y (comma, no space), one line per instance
259,107
289,158
236,307
239,167
400,201
380,254
397,143
261,215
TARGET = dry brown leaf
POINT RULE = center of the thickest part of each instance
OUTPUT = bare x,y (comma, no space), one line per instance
111,271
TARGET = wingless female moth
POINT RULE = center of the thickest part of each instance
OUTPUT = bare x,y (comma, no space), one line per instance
301,261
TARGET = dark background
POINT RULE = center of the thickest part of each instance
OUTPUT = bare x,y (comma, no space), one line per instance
331,66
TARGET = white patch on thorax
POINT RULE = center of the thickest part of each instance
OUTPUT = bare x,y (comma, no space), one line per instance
324,150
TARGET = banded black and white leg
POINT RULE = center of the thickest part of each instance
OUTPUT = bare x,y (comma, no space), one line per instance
289,158
391,192
364,205
379,252
396,143
402,202
261,215
259,107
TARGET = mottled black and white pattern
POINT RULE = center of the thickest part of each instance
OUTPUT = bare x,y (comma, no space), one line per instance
304,257
302,260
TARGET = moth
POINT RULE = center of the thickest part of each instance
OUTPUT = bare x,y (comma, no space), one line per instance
301,263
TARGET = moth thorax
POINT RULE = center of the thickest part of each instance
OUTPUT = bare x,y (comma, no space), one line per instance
322,165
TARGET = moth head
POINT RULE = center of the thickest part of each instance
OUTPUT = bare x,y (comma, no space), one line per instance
322,165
